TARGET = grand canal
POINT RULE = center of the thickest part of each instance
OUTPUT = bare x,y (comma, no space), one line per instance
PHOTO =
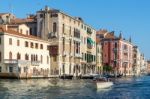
124,88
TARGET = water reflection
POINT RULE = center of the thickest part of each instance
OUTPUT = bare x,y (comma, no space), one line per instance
125,88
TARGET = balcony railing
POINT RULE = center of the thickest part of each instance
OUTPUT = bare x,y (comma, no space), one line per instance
89,31
35,63
52,35
10,61
89,46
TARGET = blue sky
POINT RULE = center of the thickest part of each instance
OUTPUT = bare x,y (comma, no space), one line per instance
132,17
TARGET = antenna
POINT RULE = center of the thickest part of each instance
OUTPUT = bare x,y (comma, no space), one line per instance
11,8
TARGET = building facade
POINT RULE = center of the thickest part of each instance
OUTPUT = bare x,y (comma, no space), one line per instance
117,52
136,61
72,42
22,55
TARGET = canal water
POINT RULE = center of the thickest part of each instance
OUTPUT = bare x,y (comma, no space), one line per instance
124,88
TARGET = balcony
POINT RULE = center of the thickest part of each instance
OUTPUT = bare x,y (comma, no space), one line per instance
15,61
78,55
52,35
89,46
89,31
10,61
35,63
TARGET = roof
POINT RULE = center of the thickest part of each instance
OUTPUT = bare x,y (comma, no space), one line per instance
20,21
110,36
3,14
2,29
59,11
103,31
98,40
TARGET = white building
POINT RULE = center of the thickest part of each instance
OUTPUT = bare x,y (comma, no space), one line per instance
22,55
136,61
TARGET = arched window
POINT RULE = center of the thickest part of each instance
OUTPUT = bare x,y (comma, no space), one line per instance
54,27
36,57
10,55
26,57
18,56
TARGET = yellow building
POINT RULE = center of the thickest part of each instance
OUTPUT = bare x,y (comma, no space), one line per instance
72,42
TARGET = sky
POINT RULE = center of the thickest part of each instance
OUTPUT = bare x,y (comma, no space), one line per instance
131,17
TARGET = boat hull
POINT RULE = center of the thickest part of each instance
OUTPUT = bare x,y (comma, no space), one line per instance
101,85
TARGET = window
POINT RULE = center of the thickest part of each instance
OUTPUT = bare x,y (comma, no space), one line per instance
32,58
85,56
26,57
30,31
18,43
54,27
63,44
82,56
26,44
36,45
63,28
41,16
18,56
115,45
10,41
0,69
0,57
41,46
10,69
24,69
48,47
31,45
84,27
27,32
19,69
70,30
21,31
36,58
10,55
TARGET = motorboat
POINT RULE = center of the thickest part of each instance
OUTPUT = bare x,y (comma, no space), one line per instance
103,82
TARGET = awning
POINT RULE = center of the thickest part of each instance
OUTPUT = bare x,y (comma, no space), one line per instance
89,40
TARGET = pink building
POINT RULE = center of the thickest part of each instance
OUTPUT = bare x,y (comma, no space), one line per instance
117,52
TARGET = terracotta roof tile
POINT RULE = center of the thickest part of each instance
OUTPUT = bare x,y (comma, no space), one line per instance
2,29
101,31
19,21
